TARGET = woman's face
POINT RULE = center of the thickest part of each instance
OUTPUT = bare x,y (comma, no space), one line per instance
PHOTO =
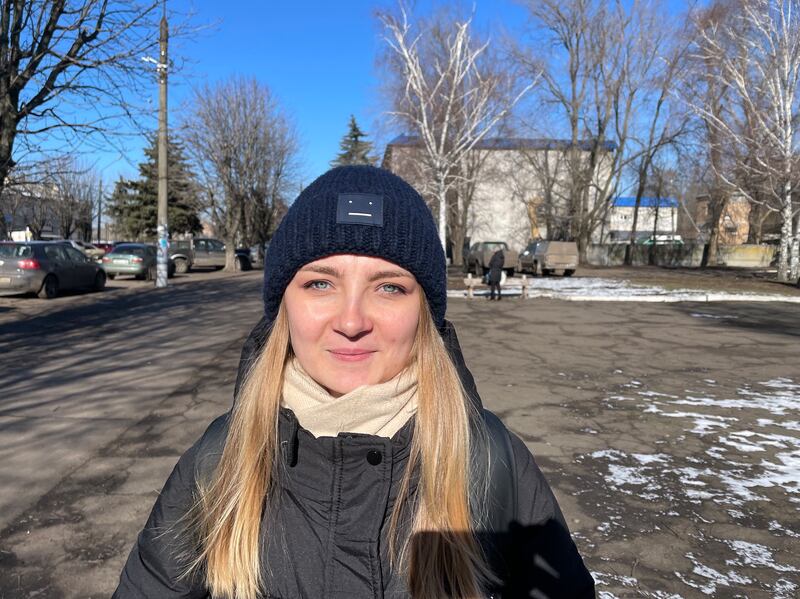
352,320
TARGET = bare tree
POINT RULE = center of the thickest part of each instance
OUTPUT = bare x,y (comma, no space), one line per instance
263,213
71,191
448,96
605,54
71,72
665,122
544,197
243,149
756,55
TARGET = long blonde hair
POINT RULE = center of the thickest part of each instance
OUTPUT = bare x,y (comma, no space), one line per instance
439,557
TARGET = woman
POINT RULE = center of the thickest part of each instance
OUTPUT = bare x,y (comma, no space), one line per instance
357,460
496,273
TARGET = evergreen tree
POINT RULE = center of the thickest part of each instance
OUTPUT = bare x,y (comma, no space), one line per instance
134,203
354,148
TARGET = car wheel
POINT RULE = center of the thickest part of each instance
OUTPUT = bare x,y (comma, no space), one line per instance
49,288
546,272
111,277
509,272
569,272
99,281
181,266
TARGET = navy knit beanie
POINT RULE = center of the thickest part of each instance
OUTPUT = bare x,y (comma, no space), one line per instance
358,210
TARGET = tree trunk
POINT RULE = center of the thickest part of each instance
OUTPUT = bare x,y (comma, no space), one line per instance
230,254
786,234
632,240
8,128
651,255
794,259
583,240
718,204
441,196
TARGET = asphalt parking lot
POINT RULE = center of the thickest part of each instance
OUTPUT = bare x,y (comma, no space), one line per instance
669,431
14,307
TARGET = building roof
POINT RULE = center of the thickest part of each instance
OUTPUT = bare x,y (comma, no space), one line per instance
630,202
513,143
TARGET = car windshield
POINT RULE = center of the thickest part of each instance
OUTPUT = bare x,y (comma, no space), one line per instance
15,250
135,250
496,245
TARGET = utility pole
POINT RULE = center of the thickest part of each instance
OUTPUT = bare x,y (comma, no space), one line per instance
99,208
163,173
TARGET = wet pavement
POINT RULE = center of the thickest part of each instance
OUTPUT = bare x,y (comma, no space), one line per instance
670,432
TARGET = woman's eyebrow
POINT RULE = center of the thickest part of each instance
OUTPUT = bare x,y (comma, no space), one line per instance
388,274
323,270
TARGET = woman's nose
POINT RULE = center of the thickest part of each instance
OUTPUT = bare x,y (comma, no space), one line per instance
353,321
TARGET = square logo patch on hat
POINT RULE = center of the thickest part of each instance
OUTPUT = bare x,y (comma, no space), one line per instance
360,209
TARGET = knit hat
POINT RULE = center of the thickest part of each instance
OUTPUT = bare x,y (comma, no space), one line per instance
358,210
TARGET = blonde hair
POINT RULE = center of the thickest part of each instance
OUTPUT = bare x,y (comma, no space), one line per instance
439,556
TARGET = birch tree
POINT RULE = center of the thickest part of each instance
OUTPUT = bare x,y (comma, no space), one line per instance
447,96
757,50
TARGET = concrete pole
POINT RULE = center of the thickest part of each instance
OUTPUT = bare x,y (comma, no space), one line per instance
99,209
163,173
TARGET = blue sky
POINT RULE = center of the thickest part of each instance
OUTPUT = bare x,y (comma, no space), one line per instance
318,57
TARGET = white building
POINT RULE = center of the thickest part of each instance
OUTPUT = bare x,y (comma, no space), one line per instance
518,186
619,222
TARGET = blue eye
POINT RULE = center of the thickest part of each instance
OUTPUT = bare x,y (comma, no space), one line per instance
393,289
319,285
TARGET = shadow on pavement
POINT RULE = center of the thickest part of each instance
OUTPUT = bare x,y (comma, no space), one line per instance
773,317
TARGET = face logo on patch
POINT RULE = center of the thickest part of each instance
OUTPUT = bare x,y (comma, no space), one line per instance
360,209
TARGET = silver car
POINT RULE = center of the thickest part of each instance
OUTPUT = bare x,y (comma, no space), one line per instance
46,268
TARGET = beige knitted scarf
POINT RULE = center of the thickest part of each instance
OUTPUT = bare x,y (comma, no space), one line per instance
380,409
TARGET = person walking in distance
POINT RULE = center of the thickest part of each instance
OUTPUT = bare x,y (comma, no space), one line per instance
495,273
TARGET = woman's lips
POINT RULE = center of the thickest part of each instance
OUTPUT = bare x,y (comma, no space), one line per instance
351,355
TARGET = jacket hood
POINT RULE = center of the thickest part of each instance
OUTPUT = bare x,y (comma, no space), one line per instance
258,336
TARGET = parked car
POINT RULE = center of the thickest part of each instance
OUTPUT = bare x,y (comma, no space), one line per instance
106,246
480,253
90,250
662,239
204,252
46,268
545,257
137,259
255,257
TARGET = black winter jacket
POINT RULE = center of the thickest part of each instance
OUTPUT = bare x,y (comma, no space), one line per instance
327,534
496,263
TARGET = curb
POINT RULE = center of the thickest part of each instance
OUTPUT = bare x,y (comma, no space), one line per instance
652,298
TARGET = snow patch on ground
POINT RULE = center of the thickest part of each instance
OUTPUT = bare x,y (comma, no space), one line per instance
758,556
741,459
751,438
611,289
